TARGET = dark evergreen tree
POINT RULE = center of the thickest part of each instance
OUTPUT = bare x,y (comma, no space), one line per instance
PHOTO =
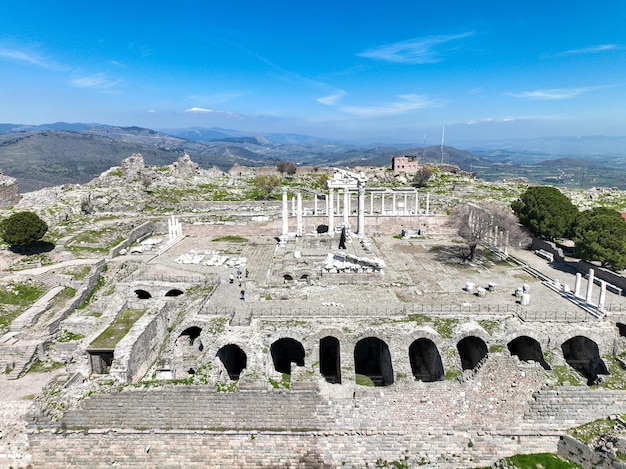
22,229
545,211
600,235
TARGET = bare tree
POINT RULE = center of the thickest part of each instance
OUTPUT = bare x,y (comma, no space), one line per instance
490,225
287,167
422,176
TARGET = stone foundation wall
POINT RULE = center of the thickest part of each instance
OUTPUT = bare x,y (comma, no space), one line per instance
575,405
275,450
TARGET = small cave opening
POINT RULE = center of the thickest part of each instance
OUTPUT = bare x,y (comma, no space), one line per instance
528,349
372,362
286,351
425,359
471,350
582,354
143,294
174,292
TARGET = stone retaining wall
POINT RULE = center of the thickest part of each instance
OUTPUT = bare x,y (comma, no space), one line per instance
581,454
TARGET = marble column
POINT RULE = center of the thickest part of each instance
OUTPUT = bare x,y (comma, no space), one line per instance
361,210
285,213
331,211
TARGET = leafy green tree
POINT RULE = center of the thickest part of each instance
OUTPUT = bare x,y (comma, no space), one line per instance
600,235
22,229
545,211
267,183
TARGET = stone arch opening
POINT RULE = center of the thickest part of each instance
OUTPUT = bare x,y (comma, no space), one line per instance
188,341
425,359
528,349
621,329
330,360
286,351
174,292
143,294
288,277
472,350
582,354
373,360
304,277
234,360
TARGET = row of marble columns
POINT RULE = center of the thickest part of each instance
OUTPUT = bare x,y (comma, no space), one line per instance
589,293
344,207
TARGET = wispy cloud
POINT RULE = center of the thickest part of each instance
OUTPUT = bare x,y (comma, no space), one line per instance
405,103
416,51
29,58
332,99
98,81
590,50
556,93
199,110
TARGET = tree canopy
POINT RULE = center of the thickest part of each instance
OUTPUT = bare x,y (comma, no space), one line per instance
22,229
267,183
545,211
600,235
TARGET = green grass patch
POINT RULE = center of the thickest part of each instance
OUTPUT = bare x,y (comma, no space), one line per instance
21,294
67,336
284,383
564,373
536,461
363,380
43,367
489,326
453,374
118,329
231,238
588,432
445,326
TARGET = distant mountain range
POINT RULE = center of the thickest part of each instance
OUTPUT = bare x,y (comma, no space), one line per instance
60,153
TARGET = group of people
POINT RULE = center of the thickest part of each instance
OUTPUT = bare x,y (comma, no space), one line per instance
231,279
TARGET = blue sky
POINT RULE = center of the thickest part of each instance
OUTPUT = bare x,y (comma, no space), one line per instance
340,69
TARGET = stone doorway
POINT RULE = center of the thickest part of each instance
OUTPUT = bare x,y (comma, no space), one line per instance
234,360
472,350
425,359
373,360
100,360
174,292
330,360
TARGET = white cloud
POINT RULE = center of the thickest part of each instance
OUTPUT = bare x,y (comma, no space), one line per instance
590,50
555,93
199,110
30,58
332,99
97,81
414,51
406,103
